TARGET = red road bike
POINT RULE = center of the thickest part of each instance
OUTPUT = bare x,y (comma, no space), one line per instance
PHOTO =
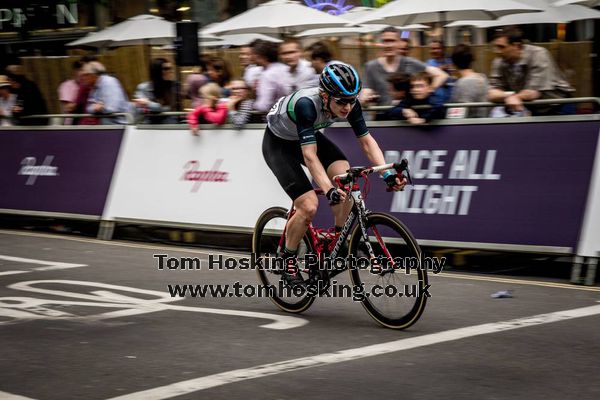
381,254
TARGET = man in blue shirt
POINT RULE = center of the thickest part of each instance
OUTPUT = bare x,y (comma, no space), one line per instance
107,95
438,59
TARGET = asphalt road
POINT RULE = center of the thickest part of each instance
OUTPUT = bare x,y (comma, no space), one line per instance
87,319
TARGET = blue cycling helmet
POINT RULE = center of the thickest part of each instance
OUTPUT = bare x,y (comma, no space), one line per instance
339,79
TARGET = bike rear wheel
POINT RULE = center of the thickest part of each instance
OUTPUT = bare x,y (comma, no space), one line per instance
391,295
266,242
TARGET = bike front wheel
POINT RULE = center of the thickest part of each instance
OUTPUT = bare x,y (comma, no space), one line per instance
267,243
388,271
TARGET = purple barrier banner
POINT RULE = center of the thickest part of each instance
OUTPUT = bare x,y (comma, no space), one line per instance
63,171
524,184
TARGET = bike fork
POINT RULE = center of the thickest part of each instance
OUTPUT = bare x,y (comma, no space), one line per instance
365,234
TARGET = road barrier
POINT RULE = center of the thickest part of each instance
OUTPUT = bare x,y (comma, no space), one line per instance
517,184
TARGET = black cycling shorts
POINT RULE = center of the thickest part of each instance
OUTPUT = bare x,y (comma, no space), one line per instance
285,156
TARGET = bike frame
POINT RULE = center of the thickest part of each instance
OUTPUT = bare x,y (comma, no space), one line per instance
357,213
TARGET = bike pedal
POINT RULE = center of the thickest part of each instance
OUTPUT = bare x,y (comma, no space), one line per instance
292,280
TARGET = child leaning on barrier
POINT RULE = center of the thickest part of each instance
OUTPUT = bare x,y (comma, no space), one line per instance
240,104
210,111
398,89
420,93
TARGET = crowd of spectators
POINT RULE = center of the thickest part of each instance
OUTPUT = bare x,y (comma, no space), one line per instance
408,88
21,98
520,72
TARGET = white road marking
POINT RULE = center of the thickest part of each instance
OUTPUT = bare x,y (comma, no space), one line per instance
27,260
10,396
174,248
179,249
47,265
14,272
518,281
260,371
28,308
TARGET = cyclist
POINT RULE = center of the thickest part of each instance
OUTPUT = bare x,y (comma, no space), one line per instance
292,138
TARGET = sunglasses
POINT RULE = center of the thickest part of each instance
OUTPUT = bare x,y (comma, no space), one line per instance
167,68
342,101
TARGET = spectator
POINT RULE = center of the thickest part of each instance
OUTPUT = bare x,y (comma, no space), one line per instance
399,87
320,55
404,47
377,71
438,59
301,73
421,94
218,72
240,104
523,72
106,95
471,87
7,102
210,111
437,51
29,100
68,91
251,71
270,86
83,94
195,81
160,94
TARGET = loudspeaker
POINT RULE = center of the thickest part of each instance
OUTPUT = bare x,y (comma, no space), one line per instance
186,43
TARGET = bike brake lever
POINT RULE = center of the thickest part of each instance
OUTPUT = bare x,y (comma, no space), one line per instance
410,182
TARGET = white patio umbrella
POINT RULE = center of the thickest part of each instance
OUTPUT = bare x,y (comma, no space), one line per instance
238,40
356,30
589,3
552,15
404,12
356,13
275,17
141,29
207,37
352,15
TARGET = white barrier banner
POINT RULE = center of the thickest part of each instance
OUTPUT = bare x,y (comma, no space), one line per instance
217,178
589,240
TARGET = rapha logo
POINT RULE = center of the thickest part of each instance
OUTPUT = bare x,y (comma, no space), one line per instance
33,171
212,175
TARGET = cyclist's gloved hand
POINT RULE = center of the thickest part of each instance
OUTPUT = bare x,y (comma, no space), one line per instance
391,180
333,196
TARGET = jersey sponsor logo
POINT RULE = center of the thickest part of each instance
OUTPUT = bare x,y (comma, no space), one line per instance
308,138
33,171
194,174
276,106
323,125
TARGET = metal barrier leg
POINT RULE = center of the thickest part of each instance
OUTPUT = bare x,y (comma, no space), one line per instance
590,277
576,269
106,230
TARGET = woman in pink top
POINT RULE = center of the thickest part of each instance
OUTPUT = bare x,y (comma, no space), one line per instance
210,111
